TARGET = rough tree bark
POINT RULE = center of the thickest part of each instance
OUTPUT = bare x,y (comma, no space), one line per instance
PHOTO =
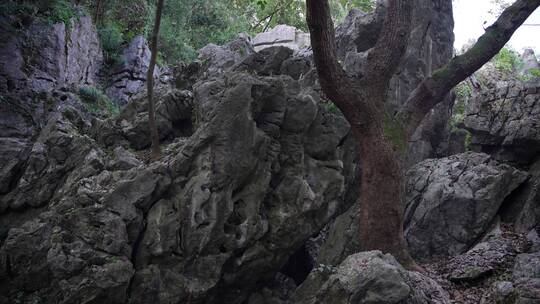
381,137
154,136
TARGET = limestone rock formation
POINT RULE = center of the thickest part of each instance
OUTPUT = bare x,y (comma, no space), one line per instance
530,62
368,277
281,35
527,275
128,76
505,122
44,57
236,194
451,202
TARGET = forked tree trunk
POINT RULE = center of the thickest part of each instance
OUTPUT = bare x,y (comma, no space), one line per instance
380,136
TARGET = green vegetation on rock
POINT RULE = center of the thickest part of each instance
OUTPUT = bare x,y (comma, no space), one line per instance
97,102
506,61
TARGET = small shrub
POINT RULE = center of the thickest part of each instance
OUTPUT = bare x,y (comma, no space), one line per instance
535,73
112,40
506,61
97,102
331,107
530,75
62,11
53,11
463,91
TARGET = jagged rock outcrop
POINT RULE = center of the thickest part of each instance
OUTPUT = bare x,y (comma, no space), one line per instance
44,57
254,192
255,163
530,62
127,80
174,118
368,277
523,209
37,66
216,59
527,277
230,202
451,202
505,122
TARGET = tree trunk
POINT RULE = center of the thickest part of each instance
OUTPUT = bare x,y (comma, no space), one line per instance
382,197
154,136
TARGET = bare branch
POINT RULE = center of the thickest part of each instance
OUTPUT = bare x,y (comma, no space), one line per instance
433,89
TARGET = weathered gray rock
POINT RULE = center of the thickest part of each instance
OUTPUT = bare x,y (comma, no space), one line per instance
281,35
523,209
174,119
359,31
452,201
527,277
57,150
501,292
505,122
34,63
530,62
123,160
72,235
128,77
280,291
368,277
217,59
44,57
482,260
264,184
229,203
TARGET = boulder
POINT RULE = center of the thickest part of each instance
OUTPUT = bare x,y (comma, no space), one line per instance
482,260
368,277
451,202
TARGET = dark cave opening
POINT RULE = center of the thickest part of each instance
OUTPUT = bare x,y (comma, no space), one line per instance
298,266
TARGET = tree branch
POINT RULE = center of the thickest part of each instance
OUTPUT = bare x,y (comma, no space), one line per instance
433,89
360,101
385,56
333,79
